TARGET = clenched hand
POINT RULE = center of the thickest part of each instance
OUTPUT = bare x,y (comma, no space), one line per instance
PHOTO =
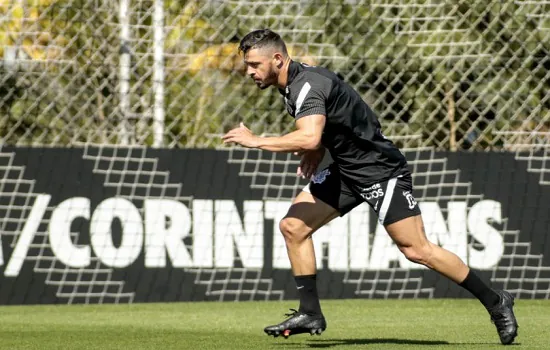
309,162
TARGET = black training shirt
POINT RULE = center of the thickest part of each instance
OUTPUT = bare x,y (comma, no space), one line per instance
352,132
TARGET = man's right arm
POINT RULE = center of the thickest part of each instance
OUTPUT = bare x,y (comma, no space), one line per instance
307,137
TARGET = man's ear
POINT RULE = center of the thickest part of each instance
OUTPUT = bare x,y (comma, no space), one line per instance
279,59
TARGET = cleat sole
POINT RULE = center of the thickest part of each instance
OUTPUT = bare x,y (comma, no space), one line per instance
275,334
317,331
298,323
286,333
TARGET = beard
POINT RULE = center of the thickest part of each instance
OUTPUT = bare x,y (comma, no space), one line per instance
271,79
263,86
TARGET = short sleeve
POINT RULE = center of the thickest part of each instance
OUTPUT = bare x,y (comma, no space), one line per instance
312,95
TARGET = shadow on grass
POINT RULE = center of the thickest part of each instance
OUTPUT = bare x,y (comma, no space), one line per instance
328,343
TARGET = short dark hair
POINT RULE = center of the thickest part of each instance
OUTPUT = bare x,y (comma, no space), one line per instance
262,38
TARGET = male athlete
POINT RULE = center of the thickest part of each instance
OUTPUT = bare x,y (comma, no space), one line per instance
331,116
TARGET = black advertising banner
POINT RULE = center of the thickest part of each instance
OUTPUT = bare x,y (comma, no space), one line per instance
122,225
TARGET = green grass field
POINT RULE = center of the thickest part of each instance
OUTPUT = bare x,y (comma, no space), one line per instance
352,324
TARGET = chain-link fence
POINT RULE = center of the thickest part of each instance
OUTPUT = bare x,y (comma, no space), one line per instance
463,74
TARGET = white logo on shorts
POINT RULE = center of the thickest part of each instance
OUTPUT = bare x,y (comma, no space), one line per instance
319,178
410,199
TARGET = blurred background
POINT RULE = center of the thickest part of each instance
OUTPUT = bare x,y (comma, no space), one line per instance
115,187
452,75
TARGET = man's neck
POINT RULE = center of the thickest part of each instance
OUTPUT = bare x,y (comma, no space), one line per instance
283,74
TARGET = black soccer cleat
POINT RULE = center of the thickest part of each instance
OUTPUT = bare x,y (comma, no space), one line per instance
502,315
298,322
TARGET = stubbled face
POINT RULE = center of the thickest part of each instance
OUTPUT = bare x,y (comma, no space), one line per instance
261,66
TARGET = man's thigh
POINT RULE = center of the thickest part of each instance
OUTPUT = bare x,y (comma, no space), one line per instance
408,232
392,200
397,210
310,213
328,186
323,199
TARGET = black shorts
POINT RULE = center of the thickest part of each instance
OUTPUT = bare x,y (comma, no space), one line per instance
391,200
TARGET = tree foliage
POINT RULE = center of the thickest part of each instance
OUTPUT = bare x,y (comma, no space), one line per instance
456,73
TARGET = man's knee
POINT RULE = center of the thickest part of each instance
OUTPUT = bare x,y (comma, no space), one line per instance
420,254
294,230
